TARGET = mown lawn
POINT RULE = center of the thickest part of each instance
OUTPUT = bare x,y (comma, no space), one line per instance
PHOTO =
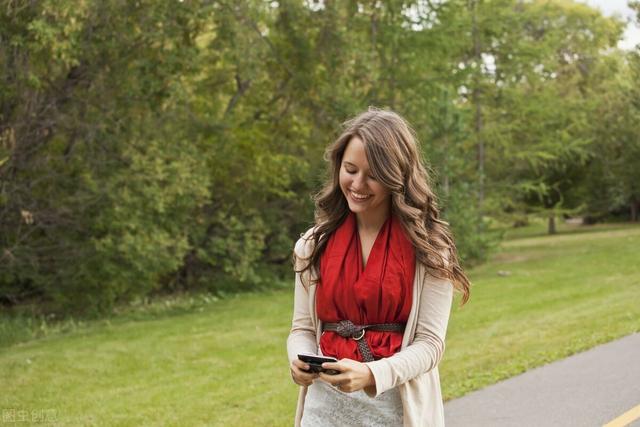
224,363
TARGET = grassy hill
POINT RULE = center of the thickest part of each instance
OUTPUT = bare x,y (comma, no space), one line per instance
224,363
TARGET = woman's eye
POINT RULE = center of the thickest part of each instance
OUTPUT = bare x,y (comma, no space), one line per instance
350,172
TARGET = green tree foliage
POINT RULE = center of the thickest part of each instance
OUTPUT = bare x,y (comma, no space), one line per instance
610,183
542,103
172,145
98,183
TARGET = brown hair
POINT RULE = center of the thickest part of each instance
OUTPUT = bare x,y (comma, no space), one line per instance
391,147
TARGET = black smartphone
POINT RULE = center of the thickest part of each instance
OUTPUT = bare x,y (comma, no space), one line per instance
315,363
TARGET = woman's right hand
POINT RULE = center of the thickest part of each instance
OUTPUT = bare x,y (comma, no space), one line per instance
300,377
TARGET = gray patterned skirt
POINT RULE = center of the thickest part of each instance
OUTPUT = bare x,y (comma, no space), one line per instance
327,406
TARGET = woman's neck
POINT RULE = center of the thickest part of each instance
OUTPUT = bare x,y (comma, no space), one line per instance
371,222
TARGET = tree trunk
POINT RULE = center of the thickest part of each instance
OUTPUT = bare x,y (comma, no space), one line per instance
445,167
552,224
475,96
635,206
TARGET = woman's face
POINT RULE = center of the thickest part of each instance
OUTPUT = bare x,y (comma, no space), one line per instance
363,193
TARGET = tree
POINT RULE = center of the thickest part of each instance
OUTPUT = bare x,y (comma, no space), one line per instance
94,202
542,103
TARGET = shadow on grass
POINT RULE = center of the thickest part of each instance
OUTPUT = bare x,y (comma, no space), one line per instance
540,230
22,325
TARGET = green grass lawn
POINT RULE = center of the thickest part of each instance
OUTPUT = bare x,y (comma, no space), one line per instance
224,363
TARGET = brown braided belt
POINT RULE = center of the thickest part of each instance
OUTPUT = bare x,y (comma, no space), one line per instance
346,328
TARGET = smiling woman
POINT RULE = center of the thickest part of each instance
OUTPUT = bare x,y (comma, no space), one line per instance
367,197
374,284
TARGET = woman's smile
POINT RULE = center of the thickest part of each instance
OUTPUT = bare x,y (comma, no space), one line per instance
359,197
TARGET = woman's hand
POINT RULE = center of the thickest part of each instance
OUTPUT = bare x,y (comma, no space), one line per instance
353,375
300,377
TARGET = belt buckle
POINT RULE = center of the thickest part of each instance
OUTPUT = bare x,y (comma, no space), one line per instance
361,335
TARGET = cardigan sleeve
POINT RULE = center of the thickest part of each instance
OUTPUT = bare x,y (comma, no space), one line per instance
427,348
302,336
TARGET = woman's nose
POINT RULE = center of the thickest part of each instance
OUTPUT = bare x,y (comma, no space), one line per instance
359,182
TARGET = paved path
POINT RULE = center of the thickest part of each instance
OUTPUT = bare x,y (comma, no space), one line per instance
591,388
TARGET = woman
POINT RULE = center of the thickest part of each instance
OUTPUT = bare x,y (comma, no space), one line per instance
378,256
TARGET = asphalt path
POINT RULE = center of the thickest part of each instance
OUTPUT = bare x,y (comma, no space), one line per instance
598,387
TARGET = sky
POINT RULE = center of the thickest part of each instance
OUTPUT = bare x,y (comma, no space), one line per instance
611,7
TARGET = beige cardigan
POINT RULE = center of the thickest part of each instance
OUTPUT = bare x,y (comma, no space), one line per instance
414,369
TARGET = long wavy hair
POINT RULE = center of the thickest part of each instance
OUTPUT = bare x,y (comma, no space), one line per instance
392,150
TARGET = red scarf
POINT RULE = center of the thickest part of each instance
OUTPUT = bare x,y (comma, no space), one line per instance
380,292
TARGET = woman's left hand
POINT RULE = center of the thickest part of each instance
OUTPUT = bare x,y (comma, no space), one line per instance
353,375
